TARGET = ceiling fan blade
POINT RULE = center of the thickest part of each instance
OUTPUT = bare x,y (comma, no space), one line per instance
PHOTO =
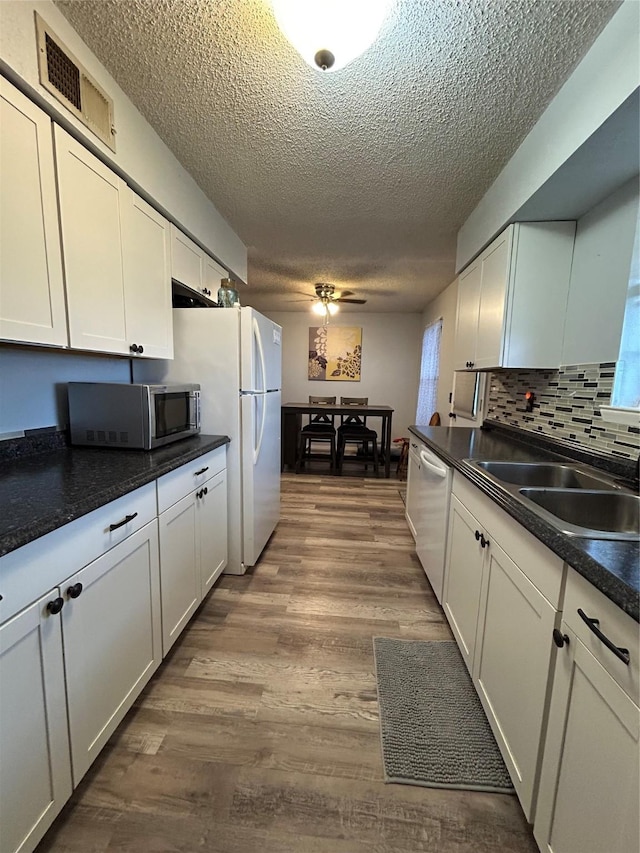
351,301
342,293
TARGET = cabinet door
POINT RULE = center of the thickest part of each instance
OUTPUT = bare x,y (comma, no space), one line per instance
463,579
111,640
146,254
589,795
213,275
467,316
212,526
179,567
35,774
186,260
31,287
91,245
493,301
512,663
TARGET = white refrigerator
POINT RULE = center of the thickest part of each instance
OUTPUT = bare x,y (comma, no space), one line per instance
235,354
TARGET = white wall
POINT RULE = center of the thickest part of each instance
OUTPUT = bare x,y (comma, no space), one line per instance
33,381
390,362
608,74
600,278
141,155
445,306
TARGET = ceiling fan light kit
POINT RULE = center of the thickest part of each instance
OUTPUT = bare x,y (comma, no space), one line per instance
330,34
326,303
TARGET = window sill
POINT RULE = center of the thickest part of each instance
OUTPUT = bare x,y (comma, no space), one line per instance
630,417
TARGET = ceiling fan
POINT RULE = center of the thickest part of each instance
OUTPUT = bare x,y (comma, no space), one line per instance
328,299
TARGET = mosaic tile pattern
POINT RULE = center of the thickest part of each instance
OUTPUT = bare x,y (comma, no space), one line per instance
567,405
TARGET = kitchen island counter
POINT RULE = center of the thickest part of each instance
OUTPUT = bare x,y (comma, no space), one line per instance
42,491
612,566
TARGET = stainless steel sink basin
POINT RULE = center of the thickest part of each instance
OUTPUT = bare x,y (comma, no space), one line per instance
591,514
554,475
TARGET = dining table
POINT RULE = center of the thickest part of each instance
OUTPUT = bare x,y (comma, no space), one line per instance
291,421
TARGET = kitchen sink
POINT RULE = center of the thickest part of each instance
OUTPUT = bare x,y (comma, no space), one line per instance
591,514
553,475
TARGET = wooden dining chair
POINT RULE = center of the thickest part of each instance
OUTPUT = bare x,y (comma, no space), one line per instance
320,430
353,429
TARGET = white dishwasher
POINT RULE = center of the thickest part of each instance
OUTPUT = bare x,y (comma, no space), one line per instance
428,493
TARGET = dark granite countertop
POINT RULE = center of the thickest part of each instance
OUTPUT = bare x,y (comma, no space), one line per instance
613,567
42,491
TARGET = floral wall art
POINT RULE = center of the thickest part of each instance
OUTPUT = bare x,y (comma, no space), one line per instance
335,353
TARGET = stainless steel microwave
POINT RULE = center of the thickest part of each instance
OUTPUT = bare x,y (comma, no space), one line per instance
112,414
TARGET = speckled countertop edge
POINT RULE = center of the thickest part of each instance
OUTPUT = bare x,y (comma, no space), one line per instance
570,549
146,466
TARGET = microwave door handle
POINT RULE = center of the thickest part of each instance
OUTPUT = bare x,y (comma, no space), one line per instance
194,420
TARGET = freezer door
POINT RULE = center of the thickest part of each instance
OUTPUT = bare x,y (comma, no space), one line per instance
260,471
260,352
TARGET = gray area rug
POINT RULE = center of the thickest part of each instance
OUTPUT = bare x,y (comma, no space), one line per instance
433,727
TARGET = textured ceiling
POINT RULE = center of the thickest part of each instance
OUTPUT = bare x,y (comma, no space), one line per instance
361,177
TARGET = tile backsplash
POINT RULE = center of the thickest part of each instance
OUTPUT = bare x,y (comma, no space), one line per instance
567,406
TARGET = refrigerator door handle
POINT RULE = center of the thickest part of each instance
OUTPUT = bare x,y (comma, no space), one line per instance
260,432
259,385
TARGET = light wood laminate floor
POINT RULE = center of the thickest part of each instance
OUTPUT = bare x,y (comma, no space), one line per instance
259,732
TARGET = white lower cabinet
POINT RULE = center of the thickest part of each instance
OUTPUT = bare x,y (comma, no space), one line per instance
112,644
589,798
502,592
73,661
511,668
35,774
193,549
463,580
179,567
213,531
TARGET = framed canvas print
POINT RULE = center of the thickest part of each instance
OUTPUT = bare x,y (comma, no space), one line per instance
335,353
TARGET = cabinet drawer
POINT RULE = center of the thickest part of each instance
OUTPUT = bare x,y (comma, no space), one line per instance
543,568
28,572
176,484
618,626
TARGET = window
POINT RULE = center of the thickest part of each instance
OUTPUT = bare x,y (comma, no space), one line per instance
429,372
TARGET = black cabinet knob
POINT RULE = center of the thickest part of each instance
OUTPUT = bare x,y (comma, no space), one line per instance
477,535
134,348
559,638
74,590
140,349
484,543
206,490
55,606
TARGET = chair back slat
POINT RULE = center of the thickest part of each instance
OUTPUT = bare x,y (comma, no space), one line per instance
321,418
354,420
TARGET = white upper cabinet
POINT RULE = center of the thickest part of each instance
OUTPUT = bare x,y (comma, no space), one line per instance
146,254
32,308
116,251
512,299
213,275
90,220
467,317
193,267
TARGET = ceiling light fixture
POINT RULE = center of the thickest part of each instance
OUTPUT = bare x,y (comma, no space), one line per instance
325,309
330,34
